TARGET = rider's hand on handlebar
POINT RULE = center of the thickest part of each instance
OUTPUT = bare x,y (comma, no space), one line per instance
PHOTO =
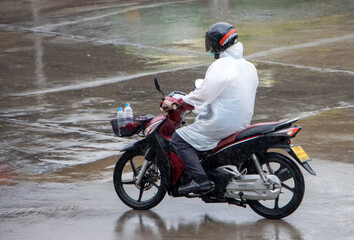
167,105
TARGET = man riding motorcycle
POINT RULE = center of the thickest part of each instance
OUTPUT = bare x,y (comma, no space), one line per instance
224,103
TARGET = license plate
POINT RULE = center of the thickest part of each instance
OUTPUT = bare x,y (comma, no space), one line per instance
300,153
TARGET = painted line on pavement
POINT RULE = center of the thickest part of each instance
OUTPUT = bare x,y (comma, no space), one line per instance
49,27
305,67
100,82
303,45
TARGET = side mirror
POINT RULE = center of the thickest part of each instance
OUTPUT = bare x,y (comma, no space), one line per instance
157,85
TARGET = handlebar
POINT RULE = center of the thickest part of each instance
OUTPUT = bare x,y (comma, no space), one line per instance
177,94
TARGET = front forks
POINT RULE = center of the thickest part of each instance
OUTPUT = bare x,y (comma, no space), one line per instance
142,172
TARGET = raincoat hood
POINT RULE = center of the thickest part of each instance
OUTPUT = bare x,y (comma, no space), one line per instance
235,51
224,101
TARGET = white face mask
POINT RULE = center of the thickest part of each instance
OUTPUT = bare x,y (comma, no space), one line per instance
211,53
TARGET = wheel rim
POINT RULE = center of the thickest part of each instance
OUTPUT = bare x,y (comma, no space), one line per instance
292,188
284,173
149,186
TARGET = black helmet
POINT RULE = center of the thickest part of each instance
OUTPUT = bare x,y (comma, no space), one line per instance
219,37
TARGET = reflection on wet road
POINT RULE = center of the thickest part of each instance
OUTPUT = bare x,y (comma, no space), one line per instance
149,225
66,66
91,210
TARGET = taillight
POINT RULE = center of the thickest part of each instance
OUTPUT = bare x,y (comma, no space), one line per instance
290,132
293,131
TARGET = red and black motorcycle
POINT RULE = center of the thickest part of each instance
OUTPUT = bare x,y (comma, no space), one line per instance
242,166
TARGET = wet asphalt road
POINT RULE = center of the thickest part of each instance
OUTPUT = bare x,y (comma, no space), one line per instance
91,210
65,67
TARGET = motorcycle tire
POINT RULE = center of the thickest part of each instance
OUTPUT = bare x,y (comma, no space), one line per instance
149,192
293,187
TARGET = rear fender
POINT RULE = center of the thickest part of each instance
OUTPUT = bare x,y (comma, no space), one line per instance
285,146
305,165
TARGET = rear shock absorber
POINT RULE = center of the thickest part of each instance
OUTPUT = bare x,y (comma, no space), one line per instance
263,176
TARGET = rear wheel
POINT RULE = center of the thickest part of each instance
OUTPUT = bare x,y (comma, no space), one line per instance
293,187
145,195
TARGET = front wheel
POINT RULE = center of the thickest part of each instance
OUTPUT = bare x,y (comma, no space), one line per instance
293,187
149,192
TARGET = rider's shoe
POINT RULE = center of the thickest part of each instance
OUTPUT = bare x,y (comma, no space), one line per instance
194,187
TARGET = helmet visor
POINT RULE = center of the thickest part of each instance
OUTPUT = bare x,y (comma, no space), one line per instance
208,45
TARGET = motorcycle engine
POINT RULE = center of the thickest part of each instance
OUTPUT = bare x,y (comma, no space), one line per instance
252,187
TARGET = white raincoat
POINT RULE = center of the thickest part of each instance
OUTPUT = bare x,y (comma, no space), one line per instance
224,101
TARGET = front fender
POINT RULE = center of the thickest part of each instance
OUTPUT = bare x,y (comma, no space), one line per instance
138,147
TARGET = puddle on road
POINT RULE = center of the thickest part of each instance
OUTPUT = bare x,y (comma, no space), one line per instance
329,135
66,65
73,128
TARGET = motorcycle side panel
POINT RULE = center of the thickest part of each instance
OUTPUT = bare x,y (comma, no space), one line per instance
238,152
177,166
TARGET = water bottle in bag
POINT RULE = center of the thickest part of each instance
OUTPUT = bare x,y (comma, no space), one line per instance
128,114
120,119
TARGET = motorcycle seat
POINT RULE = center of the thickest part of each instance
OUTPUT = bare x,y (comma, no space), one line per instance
254,130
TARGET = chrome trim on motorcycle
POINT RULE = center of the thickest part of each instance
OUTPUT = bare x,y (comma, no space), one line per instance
231,169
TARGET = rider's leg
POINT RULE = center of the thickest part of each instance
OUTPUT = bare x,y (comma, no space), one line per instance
195,171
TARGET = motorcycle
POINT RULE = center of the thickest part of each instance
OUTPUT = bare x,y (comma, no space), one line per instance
244,167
